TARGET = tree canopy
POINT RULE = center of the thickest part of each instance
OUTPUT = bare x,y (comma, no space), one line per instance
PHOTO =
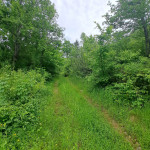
129,16
30,35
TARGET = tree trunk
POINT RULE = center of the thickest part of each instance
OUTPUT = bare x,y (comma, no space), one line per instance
15,54
147,40
16,46
149,48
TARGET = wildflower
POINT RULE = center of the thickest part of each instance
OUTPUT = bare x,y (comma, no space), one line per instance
18,140
14,134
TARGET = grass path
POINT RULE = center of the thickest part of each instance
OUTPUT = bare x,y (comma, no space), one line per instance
71,122
120,129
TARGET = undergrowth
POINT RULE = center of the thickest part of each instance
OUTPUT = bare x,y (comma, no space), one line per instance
22,95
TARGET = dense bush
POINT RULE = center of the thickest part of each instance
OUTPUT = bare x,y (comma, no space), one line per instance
134,85
20,99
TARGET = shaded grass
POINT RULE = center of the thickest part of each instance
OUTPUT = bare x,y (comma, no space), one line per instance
136,121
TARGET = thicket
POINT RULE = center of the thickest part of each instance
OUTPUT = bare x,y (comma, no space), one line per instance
118,57
21,98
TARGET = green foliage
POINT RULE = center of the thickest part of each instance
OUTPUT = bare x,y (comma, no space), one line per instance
109,59
67,47
20,101
102,62
130,16
30,36
133,73
113,63
78,61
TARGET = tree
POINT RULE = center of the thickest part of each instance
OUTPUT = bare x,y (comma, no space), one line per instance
30,34
15,24
67,47
130,15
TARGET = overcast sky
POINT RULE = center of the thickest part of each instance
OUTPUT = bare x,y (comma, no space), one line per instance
78,16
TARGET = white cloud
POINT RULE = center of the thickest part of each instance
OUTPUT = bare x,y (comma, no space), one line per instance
78,16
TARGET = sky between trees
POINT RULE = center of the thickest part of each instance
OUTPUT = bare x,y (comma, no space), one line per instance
78,16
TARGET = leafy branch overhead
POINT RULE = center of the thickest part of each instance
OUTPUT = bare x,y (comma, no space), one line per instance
130,16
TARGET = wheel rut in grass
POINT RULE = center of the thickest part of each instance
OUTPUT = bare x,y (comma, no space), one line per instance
58,101
56,94
100,109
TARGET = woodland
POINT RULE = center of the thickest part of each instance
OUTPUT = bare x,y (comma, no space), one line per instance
91,94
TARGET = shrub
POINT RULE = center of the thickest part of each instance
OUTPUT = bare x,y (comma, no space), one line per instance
134,85
20,99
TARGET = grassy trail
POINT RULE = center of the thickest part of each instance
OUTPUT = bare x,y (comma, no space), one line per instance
111,121
71,121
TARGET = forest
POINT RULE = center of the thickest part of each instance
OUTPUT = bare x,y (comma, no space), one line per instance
93,94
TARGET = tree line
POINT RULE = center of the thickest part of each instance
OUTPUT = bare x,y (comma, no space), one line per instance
118,57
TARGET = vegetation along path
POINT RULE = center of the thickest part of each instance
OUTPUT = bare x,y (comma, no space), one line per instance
73,121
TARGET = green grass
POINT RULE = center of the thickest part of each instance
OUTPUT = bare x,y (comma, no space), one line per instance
69,122
136,121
